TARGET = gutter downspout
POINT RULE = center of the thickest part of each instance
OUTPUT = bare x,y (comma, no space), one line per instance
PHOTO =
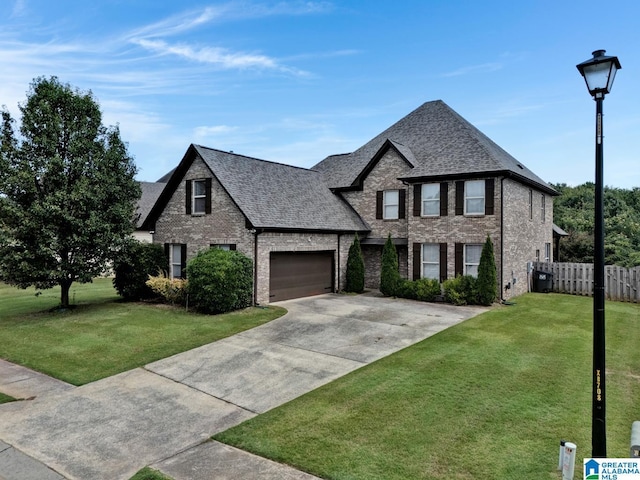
255,267
502,299
338,266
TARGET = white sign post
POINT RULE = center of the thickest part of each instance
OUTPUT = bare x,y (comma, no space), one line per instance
569,461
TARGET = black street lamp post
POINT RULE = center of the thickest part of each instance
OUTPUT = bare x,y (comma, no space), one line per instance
599,73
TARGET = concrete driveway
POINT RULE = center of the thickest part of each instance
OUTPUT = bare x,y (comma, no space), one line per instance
161,414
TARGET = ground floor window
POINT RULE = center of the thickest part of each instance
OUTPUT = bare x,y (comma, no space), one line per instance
177,253
223,246
472,254
431,260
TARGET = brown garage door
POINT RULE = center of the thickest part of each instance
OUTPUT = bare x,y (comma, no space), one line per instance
300,274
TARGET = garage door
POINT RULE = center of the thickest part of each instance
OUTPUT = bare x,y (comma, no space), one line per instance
300,274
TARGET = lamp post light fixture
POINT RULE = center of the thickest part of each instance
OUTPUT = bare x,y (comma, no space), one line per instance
599,73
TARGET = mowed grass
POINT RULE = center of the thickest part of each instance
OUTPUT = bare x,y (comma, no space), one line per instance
102,335
487,399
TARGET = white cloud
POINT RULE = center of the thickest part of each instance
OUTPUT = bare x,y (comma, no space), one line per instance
483,68
19,8
212,55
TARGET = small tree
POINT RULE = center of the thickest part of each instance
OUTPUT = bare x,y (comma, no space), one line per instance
355,268
135,263
487,284
220,281
389,276
67,200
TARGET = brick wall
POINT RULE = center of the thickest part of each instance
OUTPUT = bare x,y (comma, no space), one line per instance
225,224
452,229
524,233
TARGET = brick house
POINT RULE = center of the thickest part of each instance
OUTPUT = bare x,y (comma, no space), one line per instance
432,181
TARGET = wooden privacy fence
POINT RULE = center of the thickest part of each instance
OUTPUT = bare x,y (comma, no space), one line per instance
620,283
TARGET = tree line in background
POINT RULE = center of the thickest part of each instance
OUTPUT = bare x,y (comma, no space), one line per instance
573,211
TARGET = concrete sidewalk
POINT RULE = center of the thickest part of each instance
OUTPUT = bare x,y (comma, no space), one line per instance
163,414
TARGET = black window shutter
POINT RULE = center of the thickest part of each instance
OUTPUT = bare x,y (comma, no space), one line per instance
443,262
232,246
417,260
460,198
417,200
188,197
488,196
207,201
459,267
167,249
444,199
183,260
379,196
402,207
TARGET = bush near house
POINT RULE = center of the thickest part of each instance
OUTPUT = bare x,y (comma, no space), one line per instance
138,260
487,275
423,289
462,290
172,290
220,281
355,268
390,281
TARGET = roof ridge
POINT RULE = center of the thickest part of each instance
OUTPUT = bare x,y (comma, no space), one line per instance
253,158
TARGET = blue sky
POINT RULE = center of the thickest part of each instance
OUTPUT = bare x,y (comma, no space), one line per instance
295,81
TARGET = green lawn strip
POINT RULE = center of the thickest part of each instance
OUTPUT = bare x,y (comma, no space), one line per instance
488,398
6,398
149,474
103,336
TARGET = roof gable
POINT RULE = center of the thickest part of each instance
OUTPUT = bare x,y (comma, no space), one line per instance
443,144
270,195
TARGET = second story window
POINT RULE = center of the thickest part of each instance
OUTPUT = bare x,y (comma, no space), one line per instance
199,200
474,197
543,208
198,196
390,204
430,199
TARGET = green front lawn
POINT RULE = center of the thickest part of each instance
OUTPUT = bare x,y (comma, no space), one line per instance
6,398
487,399
103,336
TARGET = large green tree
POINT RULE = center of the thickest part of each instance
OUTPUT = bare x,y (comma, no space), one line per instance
68,192
573,211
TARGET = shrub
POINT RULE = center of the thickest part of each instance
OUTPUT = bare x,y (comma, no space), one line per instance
355,268
427,289
172,290
136,261
390,280
487,275
407,289
220,281
461,290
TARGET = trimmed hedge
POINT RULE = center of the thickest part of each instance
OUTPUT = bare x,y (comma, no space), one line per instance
462,290
220,281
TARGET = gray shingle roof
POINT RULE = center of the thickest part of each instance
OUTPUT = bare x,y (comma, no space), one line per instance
442,144
277,196
150,193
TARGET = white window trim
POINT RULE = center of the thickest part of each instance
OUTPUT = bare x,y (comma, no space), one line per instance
429,200
424,262
385,205
195,197
543,208
467,263
547,252
466,197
